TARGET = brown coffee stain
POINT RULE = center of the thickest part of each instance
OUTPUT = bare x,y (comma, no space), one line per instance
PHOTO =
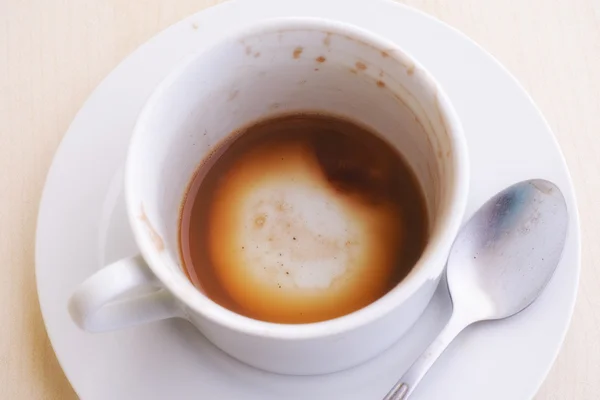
362,42
259,221
355,167
350,243
406,62
280,206
297,52
157,241
257,54
352,70
380,84
320,59
195,26
357,176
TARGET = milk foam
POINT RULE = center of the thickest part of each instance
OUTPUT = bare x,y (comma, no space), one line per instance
283,233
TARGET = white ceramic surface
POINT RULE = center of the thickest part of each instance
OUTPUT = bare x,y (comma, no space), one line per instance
280,67
82,226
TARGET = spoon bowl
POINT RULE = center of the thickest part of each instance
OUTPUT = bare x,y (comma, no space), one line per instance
506,254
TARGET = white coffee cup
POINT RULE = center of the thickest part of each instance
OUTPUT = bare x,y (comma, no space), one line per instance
278,66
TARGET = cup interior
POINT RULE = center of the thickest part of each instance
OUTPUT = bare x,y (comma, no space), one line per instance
282,67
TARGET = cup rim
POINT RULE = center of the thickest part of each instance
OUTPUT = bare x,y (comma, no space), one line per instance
429,266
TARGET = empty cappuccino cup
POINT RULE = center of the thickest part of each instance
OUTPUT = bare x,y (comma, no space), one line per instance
294,189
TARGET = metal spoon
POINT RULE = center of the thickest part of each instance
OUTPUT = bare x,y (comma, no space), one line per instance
501,261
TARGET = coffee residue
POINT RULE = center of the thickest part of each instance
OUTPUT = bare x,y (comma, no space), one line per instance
157,241
297,51
303,218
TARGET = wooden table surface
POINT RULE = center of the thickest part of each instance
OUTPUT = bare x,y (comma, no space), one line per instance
53,54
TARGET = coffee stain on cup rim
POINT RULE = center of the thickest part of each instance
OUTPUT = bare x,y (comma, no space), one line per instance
157,241
297,52
402,58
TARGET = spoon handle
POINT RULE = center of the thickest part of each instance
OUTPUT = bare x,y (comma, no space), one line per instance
405,386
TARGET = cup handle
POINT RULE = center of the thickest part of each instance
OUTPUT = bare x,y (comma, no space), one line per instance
99,304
